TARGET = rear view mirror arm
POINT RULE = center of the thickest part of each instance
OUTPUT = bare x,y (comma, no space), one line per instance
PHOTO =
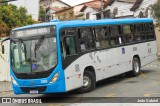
4,40
3,45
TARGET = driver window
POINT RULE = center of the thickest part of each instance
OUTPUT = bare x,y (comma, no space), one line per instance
68,46
19,54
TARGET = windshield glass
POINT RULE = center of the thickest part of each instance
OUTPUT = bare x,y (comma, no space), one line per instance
33,55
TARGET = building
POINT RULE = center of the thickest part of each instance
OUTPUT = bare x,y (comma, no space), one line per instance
53,6
90,9
65,14
32,7
118,9
85,10
141,8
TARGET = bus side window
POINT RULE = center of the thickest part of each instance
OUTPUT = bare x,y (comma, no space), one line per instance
115,38
149,31
86,39
63,51
70,45
139,33
128,34
102,37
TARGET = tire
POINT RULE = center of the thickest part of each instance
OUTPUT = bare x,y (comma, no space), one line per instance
136,67
88,82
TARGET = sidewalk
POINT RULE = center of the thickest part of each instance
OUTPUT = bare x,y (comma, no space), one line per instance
5,86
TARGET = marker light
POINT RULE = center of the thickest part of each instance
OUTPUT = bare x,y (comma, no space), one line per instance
14,81
55,77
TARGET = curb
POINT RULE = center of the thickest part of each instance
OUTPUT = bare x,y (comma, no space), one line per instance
6,91
5,86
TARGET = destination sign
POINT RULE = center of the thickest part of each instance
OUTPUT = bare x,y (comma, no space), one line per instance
31,32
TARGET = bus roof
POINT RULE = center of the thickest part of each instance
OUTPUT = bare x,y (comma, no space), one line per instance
80,23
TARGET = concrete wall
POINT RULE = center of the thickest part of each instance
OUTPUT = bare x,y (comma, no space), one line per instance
144,5
66,14
158,38
123,8
4,63
92,13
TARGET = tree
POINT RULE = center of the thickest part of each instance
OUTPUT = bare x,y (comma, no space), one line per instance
4,29
155,10
42,14
11,17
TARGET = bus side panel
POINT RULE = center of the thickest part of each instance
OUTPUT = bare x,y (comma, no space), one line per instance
74,72
113,62
108,63
149,54
122,60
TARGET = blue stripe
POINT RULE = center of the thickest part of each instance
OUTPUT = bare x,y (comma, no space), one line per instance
74,23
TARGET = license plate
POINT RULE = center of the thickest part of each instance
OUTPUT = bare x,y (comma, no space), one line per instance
33,91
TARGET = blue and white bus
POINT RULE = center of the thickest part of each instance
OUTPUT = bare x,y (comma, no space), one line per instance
62,56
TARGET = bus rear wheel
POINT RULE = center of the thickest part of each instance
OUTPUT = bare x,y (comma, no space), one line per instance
136,67
88,82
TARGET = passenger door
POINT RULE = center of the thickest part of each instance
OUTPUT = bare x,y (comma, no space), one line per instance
68,47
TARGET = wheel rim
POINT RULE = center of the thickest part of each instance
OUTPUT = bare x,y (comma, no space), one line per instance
86,81
136,66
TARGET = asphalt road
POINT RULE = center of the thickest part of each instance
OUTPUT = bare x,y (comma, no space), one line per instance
147,84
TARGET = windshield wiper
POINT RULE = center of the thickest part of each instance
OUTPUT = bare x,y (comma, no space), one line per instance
39,43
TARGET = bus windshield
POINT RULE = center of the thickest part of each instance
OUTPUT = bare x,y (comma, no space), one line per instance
33,55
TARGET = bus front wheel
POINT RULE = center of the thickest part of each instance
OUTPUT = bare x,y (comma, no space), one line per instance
136,67
88,82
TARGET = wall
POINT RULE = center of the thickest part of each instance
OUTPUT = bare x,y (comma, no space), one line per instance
4,63
158,38
144,5
54,4
92,12
67,14
123,8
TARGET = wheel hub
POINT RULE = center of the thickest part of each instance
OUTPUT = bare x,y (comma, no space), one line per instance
86,81
136,66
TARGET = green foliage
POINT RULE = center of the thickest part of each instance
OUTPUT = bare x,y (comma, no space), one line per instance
11,17
4,29
155,8
42,14
3,1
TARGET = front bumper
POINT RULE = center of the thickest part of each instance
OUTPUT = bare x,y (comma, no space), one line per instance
56,87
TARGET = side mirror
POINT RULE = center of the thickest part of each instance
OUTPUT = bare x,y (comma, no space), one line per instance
2,49
3,45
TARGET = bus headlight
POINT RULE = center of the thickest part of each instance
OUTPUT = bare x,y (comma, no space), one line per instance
14,81
55,77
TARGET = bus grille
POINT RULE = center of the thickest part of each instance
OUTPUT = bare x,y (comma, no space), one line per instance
27,89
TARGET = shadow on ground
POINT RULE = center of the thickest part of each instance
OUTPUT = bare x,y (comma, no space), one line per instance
74,96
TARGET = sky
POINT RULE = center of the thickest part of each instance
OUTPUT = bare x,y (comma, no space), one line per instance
32,5
74,2
70,2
